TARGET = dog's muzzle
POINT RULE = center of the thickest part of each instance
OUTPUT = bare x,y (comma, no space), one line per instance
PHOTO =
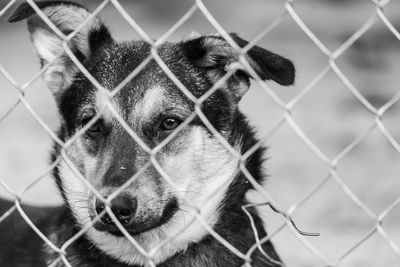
125,208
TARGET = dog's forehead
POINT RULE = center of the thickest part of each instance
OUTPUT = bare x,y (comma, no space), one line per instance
151,88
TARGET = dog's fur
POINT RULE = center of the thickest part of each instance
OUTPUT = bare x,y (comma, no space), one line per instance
205,173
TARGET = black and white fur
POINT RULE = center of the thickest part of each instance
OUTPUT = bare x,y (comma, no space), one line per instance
107,156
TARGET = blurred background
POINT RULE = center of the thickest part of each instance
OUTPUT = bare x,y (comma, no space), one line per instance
329,115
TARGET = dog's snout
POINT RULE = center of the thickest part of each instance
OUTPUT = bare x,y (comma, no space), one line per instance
124,208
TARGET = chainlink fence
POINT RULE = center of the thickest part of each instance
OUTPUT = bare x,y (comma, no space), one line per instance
286,108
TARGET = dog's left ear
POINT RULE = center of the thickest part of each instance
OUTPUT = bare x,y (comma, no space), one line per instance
67,16
217,57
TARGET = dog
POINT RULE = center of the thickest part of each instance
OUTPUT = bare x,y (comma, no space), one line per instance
177,225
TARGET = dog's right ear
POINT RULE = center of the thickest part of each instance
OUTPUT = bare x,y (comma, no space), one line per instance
66,16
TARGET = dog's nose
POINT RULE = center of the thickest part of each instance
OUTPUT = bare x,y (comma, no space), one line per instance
123,207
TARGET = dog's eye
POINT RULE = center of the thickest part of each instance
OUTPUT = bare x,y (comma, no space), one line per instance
94,129
169,124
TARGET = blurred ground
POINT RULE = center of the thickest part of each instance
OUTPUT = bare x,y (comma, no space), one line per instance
329,115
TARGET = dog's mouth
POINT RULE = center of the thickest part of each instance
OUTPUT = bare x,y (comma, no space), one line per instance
134,227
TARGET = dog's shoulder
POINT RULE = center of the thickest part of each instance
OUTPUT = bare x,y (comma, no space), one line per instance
20,245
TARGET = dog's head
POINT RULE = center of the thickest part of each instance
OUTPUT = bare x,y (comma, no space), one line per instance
145,142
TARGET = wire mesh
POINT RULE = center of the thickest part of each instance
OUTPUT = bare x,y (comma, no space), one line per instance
288,12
